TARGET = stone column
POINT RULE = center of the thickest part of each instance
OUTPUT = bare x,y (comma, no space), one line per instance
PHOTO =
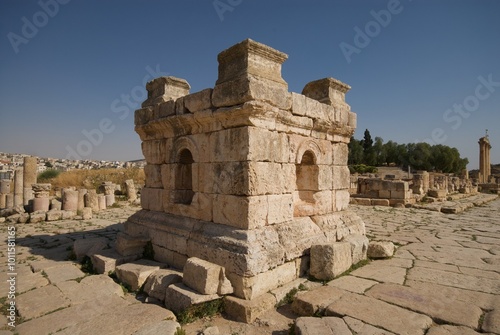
4,192
3,201
101,201
18,187
81,198
91,200
41,202
109,193
9,200
130,189
69,200
29,177
5,186
484,160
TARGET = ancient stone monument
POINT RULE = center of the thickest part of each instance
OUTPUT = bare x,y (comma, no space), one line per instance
246,175
484,160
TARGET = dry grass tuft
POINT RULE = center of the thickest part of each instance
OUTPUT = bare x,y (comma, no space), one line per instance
91,179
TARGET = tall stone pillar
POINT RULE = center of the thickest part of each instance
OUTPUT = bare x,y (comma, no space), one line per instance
29,178
18,187
484,160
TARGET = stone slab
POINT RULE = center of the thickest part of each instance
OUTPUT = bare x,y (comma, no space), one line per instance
165,327
360,328
486,285
491,322
68,317
40,301
90,288
426,301
381,273
64,272
352,284
121,320
314,302
323,326
451,330
379,313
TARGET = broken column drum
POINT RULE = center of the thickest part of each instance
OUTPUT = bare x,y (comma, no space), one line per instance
245,175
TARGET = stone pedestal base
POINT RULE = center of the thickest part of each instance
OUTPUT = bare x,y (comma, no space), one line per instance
255,261
41,204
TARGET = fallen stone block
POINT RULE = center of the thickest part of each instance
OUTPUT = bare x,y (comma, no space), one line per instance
54,215
158,281
359,247
107,260
330,260
178,297
36,217
437,193
135,274
68,214
88,246
380,202
380,249
248,310
23,218
87,213
206,277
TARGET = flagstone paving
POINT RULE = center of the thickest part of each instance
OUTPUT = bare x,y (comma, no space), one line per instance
444,279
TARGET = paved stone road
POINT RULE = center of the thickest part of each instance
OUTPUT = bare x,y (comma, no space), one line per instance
444,279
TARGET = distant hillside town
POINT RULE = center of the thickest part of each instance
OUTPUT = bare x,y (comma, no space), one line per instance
9,162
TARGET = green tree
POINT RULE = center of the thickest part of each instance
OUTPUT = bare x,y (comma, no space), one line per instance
369,156
379,151
355,152
420,156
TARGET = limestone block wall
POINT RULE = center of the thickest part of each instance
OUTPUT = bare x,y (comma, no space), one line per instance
397,191
245,175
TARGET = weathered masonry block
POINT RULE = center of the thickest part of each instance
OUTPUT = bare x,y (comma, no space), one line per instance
245,175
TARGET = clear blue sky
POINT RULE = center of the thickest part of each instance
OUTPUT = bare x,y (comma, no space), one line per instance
84,57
